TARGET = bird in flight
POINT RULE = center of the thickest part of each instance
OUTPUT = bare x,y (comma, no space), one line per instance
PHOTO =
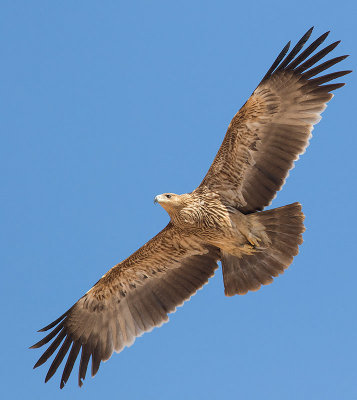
221,220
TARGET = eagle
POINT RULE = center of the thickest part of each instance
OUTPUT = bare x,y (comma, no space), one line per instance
221,220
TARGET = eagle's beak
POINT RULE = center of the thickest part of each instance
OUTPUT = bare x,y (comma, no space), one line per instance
156,200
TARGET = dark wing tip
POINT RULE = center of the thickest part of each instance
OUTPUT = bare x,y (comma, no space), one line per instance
299,45
307,35
300,63
58,334
54,323
331,87
277,61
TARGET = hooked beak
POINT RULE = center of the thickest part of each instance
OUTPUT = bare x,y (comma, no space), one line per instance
156,200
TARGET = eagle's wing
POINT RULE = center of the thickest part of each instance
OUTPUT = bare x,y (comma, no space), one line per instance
131,298
273,127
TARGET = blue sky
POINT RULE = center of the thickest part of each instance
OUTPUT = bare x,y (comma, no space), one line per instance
106,104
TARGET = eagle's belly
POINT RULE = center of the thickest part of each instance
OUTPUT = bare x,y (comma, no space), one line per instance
232,241
237,237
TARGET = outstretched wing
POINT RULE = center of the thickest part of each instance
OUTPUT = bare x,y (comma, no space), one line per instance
273,127
130,299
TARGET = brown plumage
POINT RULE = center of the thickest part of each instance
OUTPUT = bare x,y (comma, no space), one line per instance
217,221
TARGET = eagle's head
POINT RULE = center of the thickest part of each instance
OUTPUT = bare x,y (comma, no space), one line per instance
171,202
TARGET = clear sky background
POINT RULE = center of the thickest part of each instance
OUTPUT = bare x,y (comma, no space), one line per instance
105,104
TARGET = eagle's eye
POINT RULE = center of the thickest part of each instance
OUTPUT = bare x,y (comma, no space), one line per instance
168,196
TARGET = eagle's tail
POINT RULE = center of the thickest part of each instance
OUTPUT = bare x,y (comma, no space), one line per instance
283,227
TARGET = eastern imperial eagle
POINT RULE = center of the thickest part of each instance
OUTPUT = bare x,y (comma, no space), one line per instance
218,221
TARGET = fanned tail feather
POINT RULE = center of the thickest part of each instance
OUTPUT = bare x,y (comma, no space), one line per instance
283,227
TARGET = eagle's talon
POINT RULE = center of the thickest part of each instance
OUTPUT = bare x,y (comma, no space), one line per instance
254,240
247,249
